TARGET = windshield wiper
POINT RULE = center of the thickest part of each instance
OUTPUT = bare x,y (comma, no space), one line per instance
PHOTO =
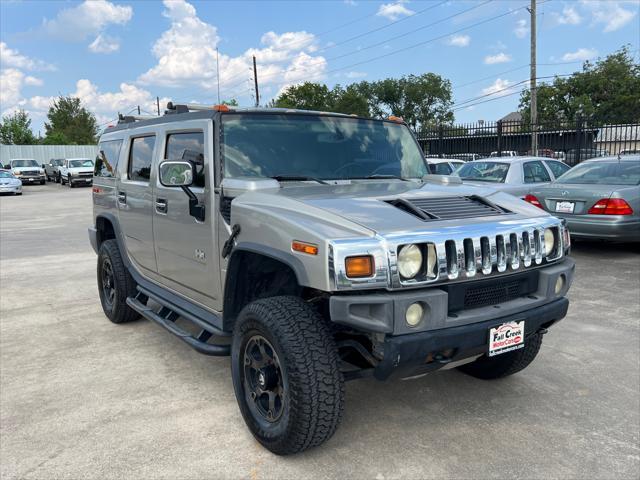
383,176
298,178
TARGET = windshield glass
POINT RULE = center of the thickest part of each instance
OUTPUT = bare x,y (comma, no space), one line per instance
23,163
483,171
85,162
319,146
5,175
603,173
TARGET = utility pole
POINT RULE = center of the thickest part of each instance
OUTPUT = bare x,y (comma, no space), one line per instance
533,87
218,72
255,81
138,109
158,104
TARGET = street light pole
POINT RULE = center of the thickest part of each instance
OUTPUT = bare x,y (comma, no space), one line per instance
533,86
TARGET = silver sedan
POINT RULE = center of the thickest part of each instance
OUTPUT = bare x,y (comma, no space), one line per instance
599,198
514,175
9,183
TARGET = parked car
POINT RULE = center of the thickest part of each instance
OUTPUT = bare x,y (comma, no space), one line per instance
544,152
630,151
504,153
599,199
585,154
51,169
514,175
323,254
27,170
76,171
467,157
443,166
9,183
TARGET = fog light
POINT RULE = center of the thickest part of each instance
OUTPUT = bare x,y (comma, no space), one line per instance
560,284
414,314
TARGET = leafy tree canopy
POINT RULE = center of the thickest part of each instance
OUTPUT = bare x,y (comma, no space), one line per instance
604,92
15,129
70,122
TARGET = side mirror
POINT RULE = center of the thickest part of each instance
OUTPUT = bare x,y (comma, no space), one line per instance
176,173
43,165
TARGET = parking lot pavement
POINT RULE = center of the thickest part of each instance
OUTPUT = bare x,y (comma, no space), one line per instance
83,398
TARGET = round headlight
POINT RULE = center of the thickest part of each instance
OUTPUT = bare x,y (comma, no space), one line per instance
414,313
549,241
409,261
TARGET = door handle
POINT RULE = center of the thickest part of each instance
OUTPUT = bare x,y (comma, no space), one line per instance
161,205
122,198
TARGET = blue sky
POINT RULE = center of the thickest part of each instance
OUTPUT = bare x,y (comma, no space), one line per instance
116,55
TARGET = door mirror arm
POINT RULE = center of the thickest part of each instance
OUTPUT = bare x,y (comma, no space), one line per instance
196,209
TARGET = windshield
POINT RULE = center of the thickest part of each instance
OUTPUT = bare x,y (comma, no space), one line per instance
57,162
603,173
318,146
85,162
483,171
23,163
5,175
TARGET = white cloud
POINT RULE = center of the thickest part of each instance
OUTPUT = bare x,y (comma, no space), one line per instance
33,81
611,13
581,54
569,16
186,55
89,18
355,74
522,29
11,80
393,11
497,58
13,58
498,86
459,40
104,44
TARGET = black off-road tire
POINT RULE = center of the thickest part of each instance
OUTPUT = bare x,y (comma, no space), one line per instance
313,384
117,311
490,368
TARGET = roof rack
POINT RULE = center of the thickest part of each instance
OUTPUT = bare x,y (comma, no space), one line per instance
195,107
133,118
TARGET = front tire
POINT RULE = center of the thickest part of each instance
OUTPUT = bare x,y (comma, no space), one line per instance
69,181
286,374
115,284
500,366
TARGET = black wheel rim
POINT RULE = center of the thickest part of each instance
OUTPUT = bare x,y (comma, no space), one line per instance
263,379
108,282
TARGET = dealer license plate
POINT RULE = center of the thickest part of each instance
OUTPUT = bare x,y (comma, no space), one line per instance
565,207
506,338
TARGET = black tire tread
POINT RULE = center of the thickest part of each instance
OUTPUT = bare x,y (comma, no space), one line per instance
311,357
490,368
121,313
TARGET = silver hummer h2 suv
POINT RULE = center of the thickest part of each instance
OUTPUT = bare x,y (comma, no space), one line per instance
313,248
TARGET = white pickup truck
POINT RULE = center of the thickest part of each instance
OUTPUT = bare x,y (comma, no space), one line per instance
76,171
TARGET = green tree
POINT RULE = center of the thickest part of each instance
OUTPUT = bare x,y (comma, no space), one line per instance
307,96
350,100
70,122
604,92
15,129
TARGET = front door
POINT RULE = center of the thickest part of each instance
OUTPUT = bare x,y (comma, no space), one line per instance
186,248
134,198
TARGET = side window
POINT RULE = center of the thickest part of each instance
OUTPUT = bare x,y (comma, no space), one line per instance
188,146
534,172
442,169
107,158
557,168
140,158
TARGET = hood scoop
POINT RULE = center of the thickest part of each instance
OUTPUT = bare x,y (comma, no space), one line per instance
448,208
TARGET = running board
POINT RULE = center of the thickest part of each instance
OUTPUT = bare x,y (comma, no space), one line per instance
166,318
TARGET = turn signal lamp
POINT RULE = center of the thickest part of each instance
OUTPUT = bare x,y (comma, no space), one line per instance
611,206
221,108
393,118
302,247
359,267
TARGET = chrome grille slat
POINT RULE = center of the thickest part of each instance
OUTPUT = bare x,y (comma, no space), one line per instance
501,250
526,249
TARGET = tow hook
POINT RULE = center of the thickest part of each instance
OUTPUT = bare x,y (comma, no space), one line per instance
543,331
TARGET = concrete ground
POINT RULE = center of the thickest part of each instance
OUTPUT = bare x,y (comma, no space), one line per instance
83,398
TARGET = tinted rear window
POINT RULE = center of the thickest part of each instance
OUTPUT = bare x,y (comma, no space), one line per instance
603,173
107,158
484,171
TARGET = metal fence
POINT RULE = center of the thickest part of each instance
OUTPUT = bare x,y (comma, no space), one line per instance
570,143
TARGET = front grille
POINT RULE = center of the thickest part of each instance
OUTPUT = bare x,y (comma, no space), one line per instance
85,174
448,208
34,173
492,294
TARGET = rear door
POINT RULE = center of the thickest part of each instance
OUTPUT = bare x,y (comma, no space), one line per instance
535,174
134,197
186,248
104,176
557,168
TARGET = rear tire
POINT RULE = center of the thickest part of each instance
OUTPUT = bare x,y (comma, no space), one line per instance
500,366
287,342
115,284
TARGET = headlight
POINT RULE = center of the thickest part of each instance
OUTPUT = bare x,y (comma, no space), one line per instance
42,170
409,261
17,172
549,241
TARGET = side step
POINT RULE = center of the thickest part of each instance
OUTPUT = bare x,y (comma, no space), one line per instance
166,318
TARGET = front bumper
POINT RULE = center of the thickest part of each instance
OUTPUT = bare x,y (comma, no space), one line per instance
31,178
82,180
10,188
410,355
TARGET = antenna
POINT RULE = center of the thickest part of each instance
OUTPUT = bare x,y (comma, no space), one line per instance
218,71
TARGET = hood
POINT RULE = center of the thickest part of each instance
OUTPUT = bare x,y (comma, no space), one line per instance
80,169
375,205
